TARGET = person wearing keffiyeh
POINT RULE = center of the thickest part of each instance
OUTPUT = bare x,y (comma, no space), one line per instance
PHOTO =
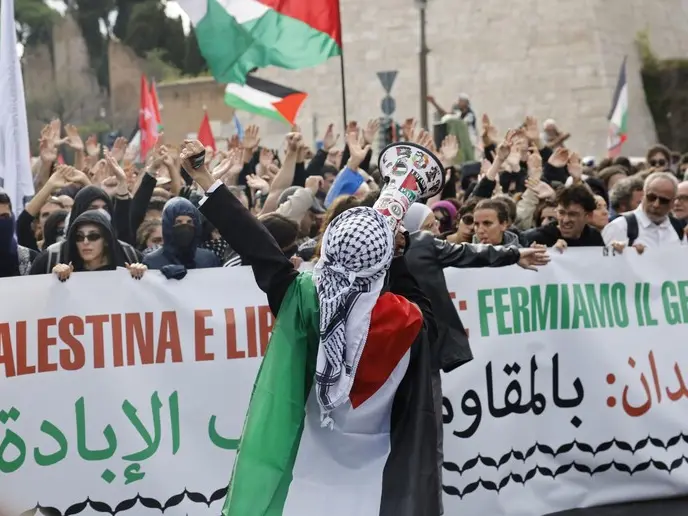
348,357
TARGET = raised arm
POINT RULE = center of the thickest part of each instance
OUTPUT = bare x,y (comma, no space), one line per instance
242,231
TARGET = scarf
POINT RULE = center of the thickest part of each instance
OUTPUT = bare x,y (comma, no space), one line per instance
357,250
218,246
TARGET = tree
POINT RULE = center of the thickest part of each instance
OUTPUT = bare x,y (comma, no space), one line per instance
174,42
91,15
145,27
194,63
35,20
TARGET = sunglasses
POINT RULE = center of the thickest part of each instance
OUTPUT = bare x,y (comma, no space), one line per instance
468,220
652,198
91,237
658,163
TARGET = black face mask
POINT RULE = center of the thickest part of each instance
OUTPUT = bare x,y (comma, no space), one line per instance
183,235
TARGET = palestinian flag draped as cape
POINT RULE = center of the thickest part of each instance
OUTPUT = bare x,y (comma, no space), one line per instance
380,458
239,35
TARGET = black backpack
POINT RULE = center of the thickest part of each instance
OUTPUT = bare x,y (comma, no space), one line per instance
632,230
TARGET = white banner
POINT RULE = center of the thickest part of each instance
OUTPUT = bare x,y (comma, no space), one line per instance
128,397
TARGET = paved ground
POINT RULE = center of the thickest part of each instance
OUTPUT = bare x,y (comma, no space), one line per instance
669,507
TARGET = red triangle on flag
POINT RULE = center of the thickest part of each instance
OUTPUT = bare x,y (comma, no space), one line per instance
289,106
205,133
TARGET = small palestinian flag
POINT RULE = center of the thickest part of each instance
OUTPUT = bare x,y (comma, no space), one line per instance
618,116
265,98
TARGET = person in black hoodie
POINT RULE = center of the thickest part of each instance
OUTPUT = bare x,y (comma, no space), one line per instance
575,205
427,257
54,229
91,246
88,198
15,259
182,230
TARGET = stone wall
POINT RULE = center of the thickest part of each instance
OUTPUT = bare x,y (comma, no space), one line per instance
125,84
183,103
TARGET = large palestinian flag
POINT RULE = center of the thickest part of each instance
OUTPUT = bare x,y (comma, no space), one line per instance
380,456
237,36
265,98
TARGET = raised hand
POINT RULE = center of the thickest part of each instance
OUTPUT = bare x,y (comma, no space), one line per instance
534,162
504,148
532,129
256,183
575,167
233,142
251,137
489,132
357,153
408,129
371,130
449,150
92,146
189,149
330,140
119,148
314,183
293,142
559,157
73,140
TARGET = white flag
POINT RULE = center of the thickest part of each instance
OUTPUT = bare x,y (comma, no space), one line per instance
15,157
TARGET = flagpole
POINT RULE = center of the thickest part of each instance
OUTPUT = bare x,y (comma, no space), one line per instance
341,68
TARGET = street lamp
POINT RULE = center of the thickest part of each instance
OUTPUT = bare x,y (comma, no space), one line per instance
423,64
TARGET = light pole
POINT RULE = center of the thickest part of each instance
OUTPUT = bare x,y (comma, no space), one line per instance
423,64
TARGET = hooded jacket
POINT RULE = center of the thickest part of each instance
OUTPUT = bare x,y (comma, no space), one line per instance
172,253
112,247
15,260
50,227
82,202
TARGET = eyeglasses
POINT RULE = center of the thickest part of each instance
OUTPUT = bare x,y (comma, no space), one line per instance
658,163
652,198
468,219
682,198
91,237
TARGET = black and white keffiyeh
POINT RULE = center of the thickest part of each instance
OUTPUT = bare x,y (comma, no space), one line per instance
357,250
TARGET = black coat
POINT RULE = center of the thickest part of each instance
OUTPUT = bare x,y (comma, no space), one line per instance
427,257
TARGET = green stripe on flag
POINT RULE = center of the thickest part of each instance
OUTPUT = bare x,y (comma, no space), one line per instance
242,105
232,49
274,422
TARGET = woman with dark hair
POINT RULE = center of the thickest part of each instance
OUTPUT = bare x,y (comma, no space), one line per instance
445,212
91,246
54,228
88,199
149,236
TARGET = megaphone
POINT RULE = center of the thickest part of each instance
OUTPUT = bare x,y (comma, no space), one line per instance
411,173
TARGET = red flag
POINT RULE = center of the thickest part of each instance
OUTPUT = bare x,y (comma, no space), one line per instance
156,105
147,123
205,133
